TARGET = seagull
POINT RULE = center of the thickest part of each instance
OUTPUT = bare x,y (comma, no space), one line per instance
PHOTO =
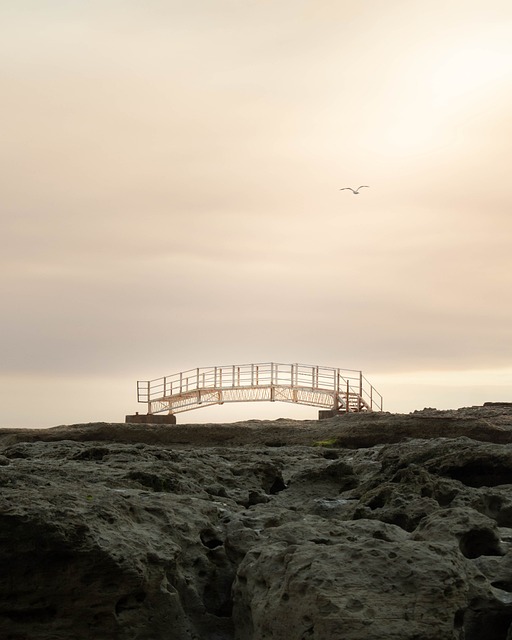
356,191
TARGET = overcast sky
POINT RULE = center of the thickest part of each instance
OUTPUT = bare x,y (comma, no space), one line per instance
170,175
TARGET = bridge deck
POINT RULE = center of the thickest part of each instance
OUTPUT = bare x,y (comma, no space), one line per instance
342,390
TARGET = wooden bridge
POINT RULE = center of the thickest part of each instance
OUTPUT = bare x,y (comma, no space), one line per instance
337,390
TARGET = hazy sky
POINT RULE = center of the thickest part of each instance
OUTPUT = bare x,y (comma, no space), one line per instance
170,175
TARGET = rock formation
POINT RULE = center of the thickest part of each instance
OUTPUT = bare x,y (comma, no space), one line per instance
369,526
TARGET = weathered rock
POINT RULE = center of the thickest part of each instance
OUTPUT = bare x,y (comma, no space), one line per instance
357,580
103,536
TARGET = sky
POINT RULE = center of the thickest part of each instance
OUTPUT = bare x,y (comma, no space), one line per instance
170,199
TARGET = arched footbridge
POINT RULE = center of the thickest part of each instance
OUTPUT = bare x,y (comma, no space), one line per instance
338,390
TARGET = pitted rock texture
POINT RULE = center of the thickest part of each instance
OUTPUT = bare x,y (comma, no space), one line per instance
249,532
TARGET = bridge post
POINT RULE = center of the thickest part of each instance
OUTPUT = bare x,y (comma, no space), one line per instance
359,401
336,385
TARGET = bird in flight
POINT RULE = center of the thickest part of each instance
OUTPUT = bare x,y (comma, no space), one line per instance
356,191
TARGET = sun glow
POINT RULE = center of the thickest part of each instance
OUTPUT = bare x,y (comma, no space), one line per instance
469,73
439,92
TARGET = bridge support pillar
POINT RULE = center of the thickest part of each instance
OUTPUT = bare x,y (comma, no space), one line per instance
151,418
325,414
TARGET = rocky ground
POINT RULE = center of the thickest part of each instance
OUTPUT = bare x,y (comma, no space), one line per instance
369,526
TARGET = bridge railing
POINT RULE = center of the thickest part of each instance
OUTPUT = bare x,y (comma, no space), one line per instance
347,383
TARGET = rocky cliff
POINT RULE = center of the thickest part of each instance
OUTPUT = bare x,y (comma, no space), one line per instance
370,526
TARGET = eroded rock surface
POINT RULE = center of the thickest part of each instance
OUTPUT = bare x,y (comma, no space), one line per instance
249,532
